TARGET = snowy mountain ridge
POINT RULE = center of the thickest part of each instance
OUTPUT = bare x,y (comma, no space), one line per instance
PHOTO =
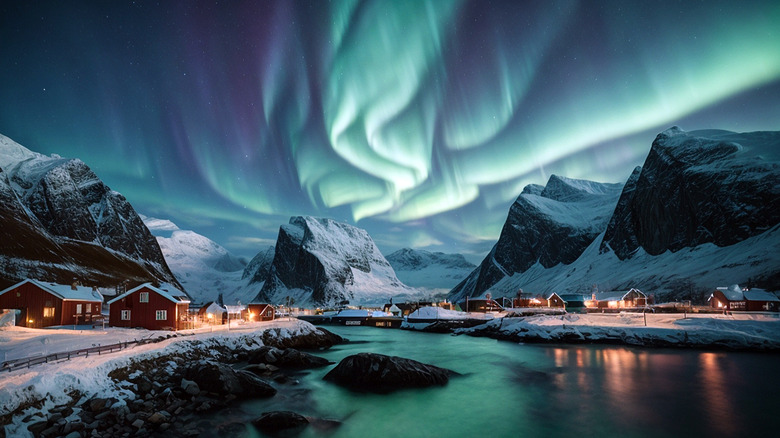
204,267
60,220
703,211
435,272
323,262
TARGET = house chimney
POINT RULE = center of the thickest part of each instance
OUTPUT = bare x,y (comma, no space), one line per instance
75,284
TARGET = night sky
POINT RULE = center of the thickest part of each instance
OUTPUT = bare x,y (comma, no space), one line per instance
420,122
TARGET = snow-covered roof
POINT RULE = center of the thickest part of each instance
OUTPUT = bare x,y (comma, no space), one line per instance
354,313
571,297
215,308
760,295
733,292
616,295
169,292
63,291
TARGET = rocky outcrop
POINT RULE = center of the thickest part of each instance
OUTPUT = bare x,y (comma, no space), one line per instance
287,358
56,212
319,339
547,226
371,372
698,187
222,379
324,262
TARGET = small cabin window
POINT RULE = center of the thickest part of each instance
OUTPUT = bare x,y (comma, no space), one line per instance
125,315
161,315
143,297
48,312
78,308
89,308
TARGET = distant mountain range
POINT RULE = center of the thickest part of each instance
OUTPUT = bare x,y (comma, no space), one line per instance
60,222
203,267
703,211
434,272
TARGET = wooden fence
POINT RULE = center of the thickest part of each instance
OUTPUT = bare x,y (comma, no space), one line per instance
27,362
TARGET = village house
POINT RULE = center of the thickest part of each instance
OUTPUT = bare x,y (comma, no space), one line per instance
260,312
150,307
567,301
213,313
618,299
736,298
40,304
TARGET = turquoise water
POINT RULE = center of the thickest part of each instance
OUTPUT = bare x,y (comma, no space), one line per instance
510,390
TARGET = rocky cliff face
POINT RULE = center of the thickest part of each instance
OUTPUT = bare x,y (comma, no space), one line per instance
549,225
703,211
324,262
700,187
259,267
61,221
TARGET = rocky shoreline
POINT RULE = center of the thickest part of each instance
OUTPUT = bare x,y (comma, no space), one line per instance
169,394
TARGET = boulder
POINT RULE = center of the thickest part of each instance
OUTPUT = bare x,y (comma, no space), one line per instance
275,422
222,379
289,358
379,373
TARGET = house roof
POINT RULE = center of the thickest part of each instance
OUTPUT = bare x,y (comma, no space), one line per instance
760,295
572,297
732,293
63,291
166,291
214,308
616,295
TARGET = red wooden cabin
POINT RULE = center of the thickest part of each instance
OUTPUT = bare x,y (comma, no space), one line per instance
40,304
150,307
260,312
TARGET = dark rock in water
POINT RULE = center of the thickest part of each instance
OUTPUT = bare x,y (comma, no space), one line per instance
318,340
222,379
379,373
289,358
281,423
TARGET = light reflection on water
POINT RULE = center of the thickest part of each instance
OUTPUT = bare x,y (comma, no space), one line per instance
509,390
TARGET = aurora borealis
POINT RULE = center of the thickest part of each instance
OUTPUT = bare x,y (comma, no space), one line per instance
418,121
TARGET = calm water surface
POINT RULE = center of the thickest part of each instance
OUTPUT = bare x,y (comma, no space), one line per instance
511,390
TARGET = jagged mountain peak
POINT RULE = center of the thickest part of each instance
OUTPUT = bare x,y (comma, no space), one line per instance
91,231
320,261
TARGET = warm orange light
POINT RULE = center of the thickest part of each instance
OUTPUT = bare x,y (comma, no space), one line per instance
210,316
30,321
251,316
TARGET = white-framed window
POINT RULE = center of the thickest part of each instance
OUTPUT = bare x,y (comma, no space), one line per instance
78,308
89,308
143,297
125,315
161,315
48,312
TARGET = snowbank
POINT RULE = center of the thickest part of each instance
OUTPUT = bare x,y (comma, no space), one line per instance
739,332
53,382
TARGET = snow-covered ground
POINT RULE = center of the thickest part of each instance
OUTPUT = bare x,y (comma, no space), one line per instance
738,331
53,381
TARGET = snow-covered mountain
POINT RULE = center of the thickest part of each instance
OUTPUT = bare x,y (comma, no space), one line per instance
205,268
703,211
433,271
547,225
323,262
60,221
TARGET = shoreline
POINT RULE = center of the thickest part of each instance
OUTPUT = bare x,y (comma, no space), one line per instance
710,331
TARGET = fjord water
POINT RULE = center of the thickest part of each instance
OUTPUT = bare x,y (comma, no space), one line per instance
511,390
